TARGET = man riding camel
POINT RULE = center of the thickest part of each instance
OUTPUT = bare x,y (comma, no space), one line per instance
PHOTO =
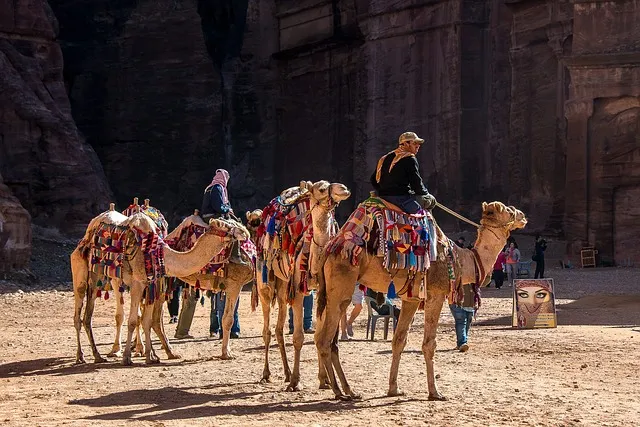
397,177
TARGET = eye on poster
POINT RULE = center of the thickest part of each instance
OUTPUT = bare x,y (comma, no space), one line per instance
534,304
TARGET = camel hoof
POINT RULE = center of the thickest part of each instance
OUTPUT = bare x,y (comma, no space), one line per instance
394,393
355,396
344,397
265,380
437,397
115,353
227,356
324,386
292,387
126,361
80,361
99,359
173,356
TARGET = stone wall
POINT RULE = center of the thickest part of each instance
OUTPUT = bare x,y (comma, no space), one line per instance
43,158
603,158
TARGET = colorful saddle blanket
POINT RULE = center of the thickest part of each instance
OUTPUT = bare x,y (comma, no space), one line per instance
285,234
107,250
404,241
153,213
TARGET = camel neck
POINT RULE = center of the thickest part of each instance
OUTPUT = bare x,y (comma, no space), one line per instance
182,264
488,245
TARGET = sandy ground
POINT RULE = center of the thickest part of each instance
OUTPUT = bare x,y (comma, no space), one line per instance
585,372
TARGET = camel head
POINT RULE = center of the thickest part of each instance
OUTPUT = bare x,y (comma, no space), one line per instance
498,215
326,194
254,218
229,229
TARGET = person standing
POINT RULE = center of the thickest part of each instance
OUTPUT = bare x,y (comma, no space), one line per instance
498,269
513,258
218,300
541,246
463,312
307,317
174,303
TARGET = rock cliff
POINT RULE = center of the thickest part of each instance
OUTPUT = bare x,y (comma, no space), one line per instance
43,158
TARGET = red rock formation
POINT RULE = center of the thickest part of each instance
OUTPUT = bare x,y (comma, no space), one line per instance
603,113
15,232
42,157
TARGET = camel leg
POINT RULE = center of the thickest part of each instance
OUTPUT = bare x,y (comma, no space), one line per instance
298,341
432,308
150,355
335,358
399,341
339,281
281,289
326,330
132,322
232,293
88,315
266,296
139,346
116,350
158,327
79,293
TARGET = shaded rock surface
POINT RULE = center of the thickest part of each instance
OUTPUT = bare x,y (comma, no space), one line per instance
43,158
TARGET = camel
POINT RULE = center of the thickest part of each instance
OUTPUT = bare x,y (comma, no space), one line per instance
236,276
322,198
338,276
176,264
253,222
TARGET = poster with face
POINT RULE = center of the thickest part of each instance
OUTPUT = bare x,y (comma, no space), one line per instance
533,304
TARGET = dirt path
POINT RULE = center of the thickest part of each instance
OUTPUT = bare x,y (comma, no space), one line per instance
585,372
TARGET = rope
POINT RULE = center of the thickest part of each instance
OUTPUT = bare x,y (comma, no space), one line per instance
457,215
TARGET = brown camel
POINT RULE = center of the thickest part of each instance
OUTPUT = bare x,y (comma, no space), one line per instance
133,273
235,277
338,276
322,198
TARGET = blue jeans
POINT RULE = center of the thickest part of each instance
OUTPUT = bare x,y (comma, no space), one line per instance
463,322
307,316
217,311
406,203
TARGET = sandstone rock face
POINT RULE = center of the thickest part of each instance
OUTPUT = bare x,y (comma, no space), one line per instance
43,159
163,94
15,232
532,102
603,157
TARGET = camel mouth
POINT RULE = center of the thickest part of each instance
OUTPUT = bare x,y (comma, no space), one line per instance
339,192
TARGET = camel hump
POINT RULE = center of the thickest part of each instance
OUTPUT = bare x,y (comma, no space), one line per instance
293,195
142,222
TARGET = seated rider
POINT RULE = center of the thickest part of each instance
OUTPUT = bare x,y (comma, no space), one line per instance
397,178
215,204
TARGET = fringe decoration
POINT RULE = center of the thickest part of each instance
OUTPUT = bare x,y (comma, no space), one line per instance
391,293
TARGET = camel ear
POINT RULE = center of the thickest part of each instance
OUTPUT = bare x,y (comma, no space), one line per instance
248,215
501,207
303,185
484,206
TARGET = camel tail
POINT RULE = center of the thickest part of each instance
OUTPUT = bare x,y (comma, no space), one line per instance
254,296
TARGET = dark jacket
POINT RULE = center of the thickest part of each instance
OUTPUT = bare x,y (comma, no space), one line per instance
212,204
403,180
541,246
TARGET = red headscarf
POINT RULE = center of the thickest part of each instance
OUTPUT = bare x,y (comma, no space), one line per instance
221,178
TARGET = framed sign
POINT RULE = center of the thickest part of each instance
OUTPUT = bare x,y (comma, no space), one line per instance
534,304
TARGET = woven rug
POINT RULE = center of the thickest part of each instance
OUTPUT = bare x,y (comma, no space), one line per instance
285,235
